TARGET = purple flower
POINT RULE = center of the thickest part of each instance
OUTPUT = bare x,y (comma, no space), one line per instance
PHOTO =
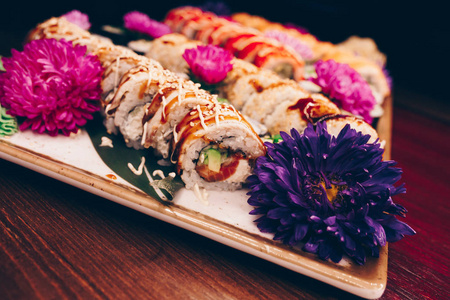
209,63
388,76
346,86
300,29
54,85
301,48
331,194
140,22
78,18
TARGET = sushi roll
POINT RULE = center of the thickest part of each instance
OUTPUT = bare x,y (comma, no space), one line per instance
337,122
135,91
153,107
370,66
215,148
168,51
259,94
61,28
117,68
174,100
245,43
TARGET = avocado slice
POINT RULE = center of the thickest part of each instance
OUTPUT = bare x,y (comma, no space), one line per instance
214,159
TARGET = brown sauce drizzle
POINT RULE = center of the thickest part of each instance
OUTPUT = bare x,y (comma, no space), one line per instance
187,132
156,103
303,108
169,106
257,85
259,88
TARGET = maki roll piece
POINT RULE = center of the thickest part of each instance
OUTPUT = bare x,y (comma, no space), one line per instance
215,148
337,122
117,68
134,93
224,33
297,113
61,28
173,101
177,18
107,53
168,51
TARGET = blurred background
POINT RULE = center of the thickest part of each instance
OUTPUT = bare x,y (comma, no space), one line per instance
415,38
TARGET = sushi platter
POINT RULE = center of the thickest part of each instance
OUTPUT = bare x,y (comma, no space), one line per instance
185,144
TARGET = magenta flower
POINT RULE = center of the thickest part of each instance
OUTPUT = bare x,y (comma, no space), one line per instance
209,63
301,48
140,22
54,85
345,86
78,18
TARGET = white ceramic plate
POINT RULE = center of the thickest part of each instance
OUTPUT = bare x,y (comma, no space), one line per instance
224,217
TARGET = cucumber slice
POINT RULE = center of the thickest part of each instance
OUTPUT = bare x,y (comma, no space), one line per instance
214,159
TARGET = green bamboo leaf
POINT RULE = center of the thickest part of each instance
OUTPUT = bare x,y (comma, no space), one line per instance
118,158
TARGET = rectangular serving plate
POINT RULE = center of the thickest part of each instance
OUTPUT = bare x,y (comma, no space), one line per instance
224,217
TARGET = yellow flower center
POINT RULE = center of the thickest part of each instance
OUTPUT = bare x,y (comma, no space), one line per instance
331,192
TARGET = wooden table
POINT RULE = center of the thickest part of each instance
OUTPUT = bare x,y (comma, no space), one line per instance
59,242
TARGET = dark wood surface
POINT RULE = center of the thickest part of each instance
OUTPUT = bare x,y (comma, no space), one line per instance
59,242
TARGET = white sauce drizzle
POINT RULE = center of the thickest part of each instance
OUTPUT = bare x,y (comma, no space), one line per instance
202,119
159,173
149,79
167,133
197,95
239,116
116,74
305,110
164,106
150,180
144,135
108,106
106,142
140,168
217,109
180,93
175,134
201,194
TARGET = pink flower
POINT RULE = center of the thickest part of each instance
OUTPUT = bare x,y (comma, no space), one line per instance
346,87
55,86
300,29
209,63
140,22
78,18
301,48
